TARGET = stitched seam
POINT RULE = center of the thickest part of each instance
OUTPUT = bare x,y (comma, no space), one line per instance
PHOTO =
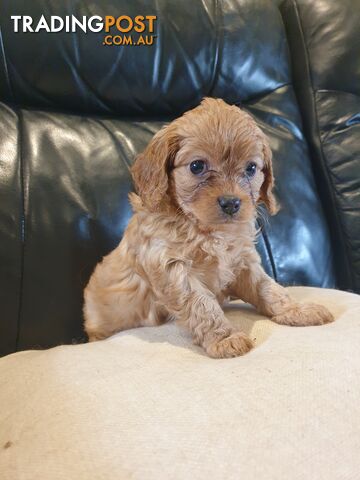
256,98
2,46
219,45
271,258
268,249
321,151
334,90
22,226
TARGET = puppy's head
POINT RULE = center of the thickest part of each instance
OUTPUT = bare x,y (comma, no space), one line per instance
213,164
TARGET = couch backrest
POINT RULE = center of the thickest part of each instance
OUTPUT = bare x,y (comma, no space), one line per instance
201,49
74,115
324,38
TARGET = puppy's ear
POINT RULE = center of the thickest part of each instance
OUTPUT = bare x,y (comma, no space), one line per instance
151,168
266,194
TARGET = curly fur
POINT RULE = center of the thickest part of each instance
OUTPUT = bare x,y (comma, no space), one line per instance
181,256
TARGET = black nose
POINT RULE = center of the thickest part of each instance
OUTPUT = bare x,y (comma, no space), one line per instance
229,204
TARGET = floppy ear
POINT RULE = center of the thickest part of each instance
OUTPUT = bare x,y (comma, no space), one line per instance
151,168
266,194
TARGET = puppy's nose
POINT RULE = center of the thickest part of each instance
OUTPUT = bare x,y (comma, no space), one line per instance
229,204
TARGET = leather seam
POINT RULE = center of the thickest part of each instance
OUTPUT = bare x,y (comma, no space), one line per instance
256,98
321,151
22,226
219,45
334,90
2,46
268,250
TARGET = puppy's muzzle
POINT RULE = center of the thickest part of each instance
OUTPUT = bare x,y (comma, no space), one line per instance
229,204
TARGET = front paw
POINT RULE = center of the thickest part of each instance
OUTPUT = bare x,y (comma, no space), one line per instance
234,345
304,314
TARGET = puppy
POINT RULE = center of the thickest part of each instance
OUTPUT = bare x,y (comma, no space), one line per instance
190,244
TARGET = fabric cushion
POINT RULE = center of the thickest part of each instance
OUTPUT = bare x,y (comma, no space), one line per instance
147,404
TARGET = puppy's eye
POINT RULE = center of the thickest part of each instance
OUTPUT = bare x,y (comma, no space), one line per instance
250,169
197,167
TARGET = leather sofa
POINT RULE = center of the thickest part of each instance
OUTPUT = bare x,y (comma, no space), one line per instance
146,403
74,113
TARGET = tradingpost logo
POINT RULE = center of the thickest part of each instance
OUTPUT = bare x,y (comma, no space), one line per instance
123,30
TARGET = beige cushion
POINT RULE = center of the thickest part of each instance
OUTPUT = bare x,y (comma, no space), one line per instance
148,405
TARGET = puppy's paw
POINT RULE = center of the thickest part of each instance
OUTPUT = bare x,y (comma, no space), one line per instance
236,344
304,314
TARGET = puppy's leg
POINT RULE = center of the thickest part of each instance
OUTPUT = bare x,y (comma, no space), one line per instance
254,286
203,316
197,309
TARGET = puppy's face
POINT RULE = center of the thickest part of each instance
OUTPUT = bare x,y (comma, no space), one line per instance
213,164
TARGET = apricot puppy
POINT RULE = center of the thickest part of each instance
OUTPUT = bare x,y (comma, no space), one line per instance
190,244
